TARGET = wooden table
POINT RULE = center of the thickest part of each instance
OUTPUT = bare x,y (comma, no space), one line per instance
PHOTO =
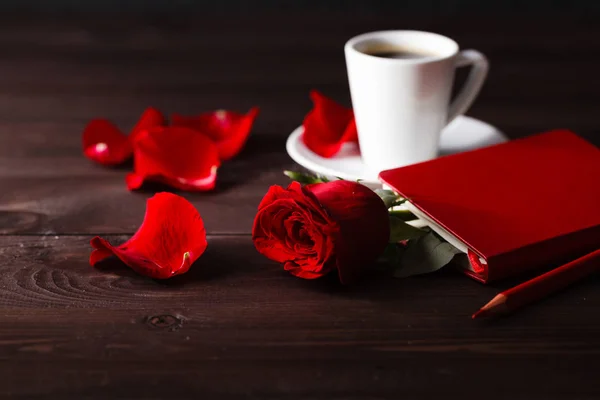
237,326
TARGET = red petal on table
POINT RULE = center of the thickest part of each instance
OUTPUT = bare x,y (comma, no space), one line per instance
327,126
228,129
150,118
105,144
167,243
177,156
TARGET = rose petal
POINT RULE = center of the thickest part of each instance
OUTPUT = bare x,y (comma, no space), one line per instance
364,225
105,144
300,272
150,118
167,243
177,156
300,195
279,213
228,129
327,126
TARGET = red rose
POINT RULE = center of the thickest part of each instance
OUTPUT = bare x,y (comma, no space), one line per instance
321,227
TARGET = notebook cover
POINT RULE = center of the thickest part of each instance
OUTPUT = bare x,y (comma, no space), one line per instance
518,205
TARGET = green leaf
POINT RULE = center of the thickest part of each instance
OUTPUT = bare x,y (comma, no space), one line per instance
403,214
400,230
392,253
399,202
304,179
389,197
425,254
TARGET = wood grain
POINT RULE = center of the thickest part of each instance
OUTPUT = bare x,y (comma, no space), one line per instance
68,194
237,326
180,67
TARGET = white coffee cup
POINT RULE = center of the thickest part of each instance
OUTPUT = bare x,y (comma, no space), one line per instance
401,105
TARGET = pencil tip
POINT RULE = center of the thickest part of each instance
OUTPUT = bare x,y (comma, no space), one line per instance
496,306
481,313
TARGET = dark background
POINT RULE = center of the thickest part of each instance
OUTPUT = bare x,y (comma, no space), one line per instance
447,7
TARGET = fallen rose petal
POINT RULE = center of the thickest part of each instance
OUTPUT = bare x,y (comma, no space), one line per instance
106,144
150,118
177,156
167,243
328,126
228,129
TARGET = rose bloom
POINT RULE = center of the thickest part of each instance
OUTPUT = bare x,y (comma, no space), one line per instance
321,227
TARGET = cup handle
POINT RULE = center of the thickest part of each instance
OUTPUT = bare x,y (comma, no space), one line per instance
473,84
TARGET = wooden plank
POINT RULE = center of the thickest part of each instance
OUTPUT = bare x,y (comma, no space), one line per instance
533,84
534,69
238,326
53,272
51,188
123,29
279,116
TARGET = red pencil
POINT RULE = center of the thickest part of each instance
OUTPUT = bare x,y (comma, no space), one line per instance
541,286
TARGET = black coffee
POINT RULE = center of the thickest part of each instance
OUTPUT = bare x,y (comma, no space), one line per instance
401,54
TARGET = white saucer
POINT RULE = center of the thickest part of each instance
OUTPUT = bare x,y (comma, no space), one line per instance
464,133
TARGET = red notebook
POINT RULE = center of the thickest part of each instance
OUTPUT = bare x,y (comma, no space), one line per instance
515,206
